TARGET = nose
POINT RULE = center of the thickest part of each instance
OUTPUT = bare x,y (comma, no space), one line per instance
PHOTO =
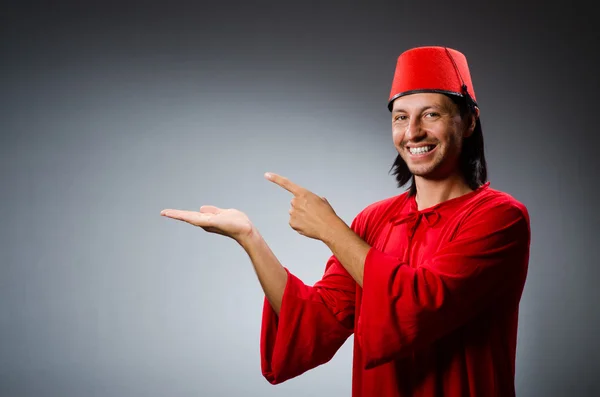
414,132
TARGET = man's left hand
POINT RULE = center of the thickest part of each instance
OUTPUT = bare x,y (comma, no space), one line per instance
310,215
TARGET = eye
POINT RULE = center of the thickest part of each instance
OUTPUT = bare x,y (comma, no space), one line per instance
400,117
432,114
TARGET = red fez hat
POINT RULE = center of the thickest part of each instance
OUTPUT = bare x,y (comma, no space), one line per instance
432,69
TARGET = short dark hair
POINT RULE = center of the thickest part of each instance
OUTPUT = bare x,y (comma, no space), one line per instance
472,156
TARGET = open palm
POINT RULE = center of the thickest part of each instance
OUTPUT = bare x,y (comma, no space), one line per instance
228,222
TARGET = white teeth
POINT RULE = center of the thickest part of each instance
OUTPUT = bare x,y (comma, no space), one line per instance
420,150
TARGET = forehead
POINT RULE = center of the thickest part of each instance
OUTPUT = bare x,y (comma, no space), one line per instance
421,100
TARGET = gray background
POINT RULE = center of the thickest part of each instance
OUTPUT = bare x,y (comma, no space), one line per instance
111,112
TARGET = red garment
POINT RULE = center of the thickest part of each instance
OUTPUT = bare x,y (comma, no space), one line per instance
437,314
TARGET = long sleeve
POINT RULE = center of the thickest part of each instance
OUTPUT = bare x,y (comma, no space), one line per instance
405,307
312,325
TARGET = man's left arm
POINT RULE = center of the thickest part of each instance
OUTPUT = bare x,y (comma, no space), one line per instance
312,216
348,248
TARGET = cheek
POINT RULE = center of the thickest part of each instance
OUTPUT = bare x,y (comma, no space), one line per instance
397,136
454,143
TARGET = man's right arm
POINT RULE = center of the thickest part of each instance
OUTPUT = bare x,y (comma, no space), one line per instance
302,326
271,274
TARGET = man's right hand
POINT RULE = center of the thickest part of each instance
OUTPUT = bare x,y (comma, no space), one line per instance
227,222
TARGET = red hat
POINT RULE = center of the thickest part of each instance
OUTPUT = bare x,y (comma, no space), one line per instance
432,69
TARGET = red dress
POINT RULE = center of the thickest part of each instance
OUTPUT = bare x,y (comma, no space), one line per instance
437,313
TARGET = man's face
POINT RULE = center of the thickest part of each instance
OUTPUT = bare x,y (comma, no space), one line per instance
428,131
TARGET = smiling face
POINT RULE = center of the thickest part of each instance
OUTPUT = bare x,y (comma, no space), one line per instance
428,131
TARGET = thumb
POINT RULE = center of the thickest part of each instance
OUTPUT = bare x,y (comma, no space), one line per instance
210,209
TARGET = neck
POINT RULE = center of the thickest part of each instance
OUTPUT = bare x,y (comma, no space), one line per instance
432,192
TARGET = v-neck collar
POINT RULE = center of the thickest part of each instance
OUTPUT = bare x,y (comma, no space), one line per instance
446,203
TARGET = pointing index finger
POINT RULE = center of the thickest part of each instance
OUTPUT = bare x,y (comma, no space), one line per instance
284,183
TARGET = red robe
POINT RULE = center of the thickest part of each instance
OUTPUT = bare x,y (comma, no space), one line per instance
437,313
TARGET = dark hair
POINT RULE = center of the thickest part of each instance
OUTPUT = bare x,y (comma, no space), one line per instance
472,157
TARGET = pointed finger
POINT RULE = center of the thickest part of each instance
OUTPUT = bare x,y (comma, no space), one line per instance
284,183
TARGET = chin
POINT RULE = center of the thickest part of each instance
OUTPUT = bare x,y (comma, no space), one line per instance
423,173
430,170
423,169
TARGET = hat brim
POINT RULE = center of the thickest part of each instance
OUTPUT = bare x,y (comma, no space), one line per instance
421,91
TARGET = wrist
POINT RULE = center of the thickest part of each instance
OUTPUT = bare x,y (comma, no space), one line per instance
250,238
334,230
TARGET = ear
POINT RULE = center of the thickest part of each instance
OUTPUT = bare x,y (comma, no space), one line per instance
472,122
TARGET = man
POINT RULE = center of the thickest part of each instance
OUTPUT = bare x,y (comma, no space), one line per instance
429,281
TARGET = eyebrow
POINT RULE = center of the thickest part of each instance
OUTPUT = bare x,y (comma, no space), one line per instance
436,106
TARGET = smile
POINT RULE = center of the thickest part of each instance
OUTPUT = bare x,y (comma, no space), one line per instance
416,151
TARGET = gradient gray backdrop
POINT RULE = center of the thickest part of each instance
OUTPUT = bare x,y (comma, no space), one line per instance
111,112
